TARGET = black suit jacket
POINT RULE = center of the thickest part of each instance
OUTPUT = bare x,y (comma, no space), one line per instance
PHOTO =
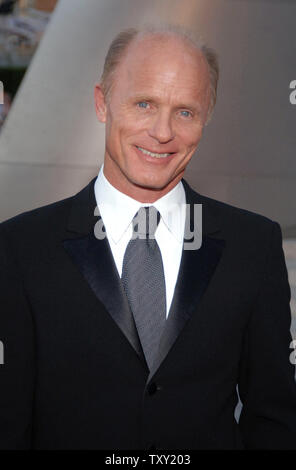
74,374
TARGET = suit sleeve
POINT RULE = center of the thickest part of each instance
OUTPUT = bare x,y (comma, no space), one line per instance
17,361
266,383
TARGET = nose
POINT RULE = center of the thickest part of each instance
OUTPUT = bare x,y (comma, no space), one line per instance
161,128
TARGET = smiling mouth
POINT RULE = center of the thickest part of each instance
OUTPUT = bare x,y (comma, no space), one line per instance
153,154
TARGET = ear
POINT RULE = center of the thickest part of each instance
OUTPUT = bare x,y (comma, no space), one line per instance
100,104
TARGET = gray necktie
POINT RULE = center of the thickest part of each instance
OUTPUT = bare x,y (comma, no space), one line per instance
144,282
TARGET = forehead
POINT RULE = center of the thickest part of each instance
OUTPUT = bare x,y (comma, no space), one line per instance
164,67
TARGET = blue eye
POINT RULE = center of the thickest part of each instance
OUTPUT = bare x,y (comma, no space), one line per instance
142,104
185,113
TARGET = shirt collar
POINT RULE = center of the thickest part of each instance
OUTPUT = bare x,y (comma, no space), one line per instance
118,210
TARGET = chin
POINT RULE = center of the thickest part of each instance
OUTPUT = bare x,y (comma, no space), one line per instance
152,182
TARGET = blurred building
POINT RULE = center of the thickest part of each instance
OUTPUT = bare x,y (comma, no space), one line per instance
22,25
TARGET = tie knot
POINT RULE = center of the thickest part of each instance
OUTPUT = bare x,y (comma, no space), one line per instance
146,221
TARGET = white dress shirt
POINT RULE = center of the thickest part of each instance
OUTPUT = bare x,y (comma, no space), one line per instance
118,210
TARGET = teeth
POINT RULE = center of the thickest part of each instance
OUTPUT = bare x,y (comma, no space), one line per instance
156,155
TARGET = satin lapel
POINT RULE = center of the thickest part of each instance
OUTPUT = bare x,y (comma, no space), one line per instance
94,259
196,270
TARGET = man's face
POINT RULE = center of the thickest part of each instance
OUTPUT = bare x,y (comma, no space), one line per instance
154,116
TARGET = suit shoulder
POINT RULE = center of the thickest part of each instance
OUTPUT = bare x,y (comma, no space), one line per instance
39,218
237,215
239,225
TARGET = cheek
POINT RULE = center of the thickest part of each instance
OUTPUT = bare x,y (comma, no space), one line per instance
191,137
130,129
114,129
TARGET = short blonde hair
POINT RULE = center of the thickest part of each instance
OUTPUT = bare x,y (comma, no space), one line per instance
123,39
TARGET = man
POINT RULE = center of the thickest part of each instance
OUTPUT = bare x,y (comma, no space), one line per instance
117,337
